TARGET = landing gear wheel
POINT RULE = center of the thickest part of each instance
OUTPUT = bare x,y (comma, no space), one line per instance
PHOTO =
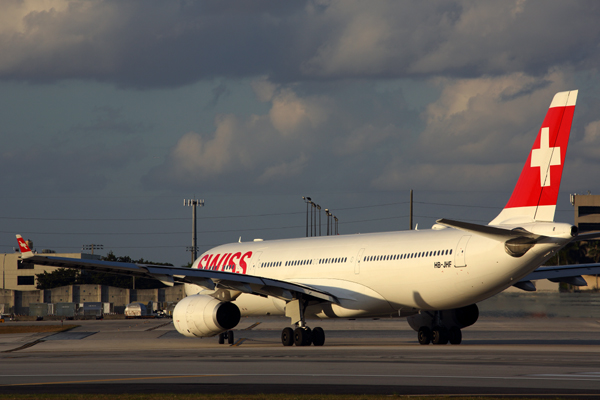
222,338
230,337
439,336
424,335
287,337
307,337
455,336
302,336
318,336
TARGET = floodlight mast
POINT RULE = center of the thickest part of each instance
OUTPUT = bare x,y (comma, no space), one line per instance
193,203
92,247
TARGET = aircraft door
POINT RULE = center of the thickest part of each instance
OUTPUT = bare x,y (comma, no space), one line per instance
459,255
357,262
255,263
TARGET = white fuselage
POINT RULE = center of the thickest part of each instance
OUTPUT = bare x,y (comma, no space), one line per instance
380,274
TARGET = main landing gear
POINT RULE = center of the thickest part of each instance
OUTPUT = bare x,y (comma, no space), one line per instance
439,335
302,335
228,335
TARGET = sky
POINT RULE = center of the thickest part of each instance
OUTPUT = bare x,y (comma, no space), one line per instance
114,112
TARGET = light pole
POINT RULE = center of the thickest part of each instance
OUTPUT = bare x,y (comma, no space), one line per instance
311,217
306,200
410,221
319,208
336,224
327,213
92,247
314,207
193,203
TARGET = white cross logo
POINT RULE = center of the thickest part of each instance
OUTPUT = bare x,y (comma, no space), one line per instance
544,157
23,245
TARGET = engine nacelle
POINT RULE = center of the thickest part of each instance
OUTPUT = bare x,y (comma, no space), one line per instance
455,318
201,316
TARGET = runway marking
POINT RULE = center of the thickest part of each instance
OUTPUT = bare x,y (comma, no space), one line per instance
239,342
158,326
587,376
25,346
115,379
575,374
254,325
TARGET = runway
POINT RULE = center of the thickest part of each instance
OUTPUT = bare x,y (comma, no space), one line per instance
543,356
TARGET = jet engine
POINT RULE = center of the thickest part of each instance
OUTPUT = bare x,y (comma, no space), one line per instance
455,318
201,316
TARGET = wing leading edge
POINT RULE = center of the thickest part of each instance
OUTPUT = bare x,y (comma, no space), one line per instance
211,280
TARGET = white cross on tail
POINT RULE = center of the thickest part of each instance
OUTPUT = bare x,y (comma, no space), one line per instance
544,157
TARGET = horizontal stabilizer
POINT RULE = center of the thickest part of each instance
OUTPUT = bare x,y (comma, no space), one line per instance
564,273
491,232
527,286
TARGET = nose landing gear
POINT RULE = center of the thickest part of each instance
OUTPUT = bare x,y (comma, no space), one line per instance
228,335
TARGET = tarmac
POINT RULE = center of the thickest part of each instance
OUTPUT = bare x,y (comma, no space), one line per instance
499,355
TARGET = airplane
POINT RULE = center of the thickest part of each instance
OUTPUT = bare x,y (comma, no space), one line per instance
433,277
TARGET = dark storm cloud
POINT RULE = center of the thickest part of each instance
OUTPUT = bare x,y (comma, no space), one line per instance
44,169
156,44
109,120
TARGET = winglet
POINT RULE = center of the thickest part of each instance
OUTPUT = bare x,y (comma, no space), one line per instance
24,248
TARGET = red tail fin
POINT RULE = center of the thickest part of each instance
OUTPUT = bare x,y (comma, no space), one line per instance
534,197
24,247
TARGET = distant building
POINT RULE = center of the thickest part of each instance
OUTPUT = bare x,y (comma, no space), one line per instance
587,219
587,212
19,276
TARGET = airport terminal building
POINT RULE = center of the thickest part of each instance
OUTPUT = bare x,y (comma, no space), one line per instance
19,288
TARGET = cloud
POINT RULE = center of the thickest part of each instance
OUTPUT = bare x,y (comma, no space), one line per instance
44,169
449,177
256,149
290,114
303,137
477,133
146,44
218,91
110,120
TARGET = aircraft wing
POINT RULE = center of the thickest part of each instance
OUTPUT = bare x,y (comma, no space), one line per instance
571,274
168,275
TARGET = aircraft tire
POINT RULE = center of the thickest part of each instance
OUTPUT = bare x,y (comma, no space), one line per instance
230,336
424,335
439,336
287,336
455,336
302,336
307,339
318,336
222,338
